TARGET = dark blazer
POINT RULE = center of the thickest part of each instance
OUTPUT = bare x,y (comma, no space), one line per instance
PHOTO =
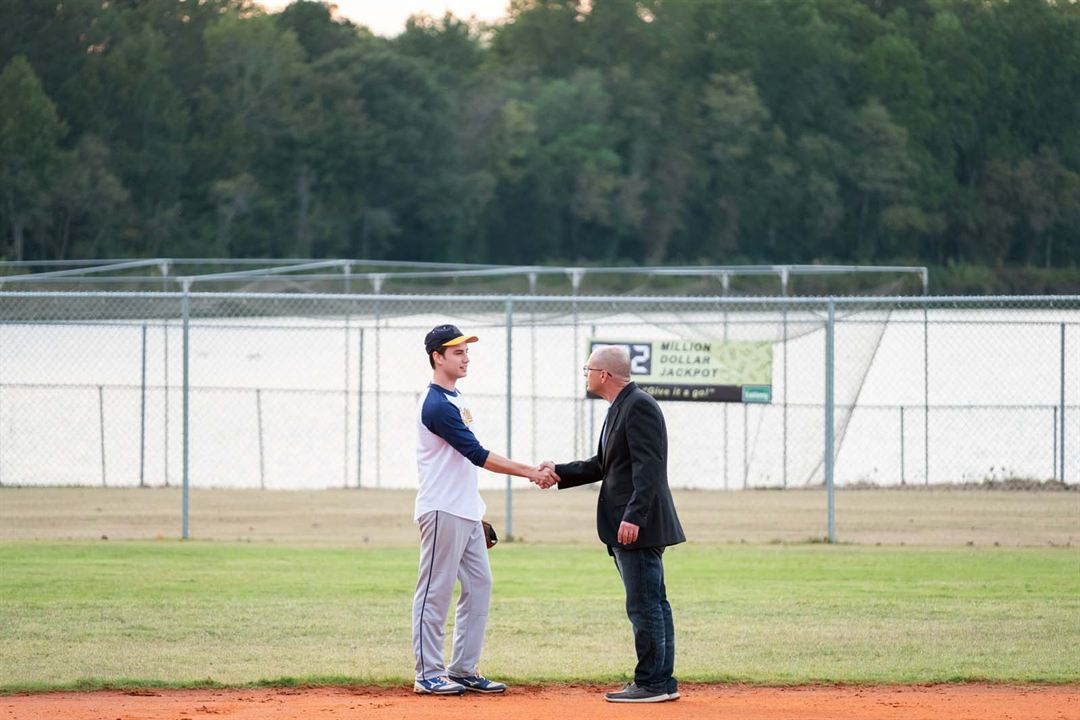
633,467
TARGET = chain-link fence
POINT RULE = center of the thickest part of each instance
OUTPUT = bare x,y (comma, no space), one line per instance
315,391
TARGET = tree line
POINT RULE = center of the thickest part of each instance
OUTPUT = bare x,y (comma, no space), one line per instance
611,131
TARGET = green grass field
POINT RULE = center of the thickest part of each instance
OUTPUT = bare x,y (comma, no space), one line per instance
87,614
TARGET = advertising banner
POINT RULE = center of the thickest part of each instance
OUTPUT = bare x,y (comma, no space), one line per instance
699,370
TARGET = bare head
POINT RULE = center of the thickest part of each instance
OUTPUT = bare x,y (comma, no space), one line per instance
608,371
614,359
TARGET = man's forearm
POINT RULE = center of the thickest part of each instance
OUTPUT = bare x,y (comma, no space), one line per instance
496,463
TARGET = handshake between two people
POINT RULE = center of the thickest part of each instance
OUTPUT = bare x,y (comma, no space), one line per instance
544,475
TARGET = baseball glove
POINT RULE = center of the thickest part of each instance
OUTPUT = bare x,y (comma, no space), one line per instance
489,534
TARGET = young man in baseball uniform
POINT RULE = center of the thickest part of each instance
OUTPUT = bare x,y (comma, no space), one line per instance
449,510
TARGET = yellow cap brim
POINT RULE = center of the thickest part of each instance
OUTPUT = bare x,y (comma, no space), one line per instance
461,339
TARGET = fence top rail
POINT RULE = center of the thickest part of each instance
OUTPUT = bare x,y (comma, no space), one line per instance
269,262
259,269
69,274
913,302
224,262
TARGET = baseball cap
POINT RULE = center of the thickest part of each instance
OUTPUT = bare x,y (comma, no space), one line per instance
445,336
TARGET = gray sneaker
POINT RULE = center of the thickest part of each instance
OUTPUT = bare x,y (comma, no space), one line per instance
634,694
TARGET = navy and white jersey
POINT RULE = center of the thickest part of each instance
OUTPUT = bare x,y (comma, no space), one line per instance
447,456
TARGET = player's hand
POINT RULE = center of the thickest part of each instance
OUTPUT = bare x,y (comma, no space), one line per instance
552,476
628,533
537,475
545,475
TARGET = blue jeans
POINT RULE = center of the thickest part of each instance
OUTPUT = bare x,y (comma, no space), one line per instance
647,607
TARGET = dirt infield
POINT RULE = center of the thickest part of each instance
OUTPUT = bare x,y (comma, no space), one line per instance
900,702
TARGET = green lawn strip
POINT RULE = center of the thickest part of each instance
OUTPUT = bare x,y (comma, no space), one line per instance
170,614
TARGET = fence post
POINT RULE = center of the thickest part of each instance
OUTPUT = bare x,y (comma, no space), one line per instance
509,411
830,338
142,414
926,394
165,356
1,427
164,269
1054,432
185,310
360,411
258,418
1061,415
378,391
902,478
575,279
345,411
101,427
725,279
745,445
726,445
533,400
784,280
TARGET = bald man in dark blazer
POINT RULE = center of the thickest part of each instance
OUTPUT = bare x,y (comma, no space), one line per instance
635,516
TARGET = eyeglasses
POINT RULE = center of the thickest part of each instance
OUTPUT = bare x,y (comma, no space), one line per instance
586,370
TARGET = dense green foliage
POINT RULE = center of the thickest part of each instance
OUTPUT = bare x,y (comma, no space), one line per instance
930,131
168,613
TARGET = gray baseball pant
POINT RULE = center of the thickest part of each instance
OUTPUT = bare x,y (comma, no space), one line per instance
451,548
